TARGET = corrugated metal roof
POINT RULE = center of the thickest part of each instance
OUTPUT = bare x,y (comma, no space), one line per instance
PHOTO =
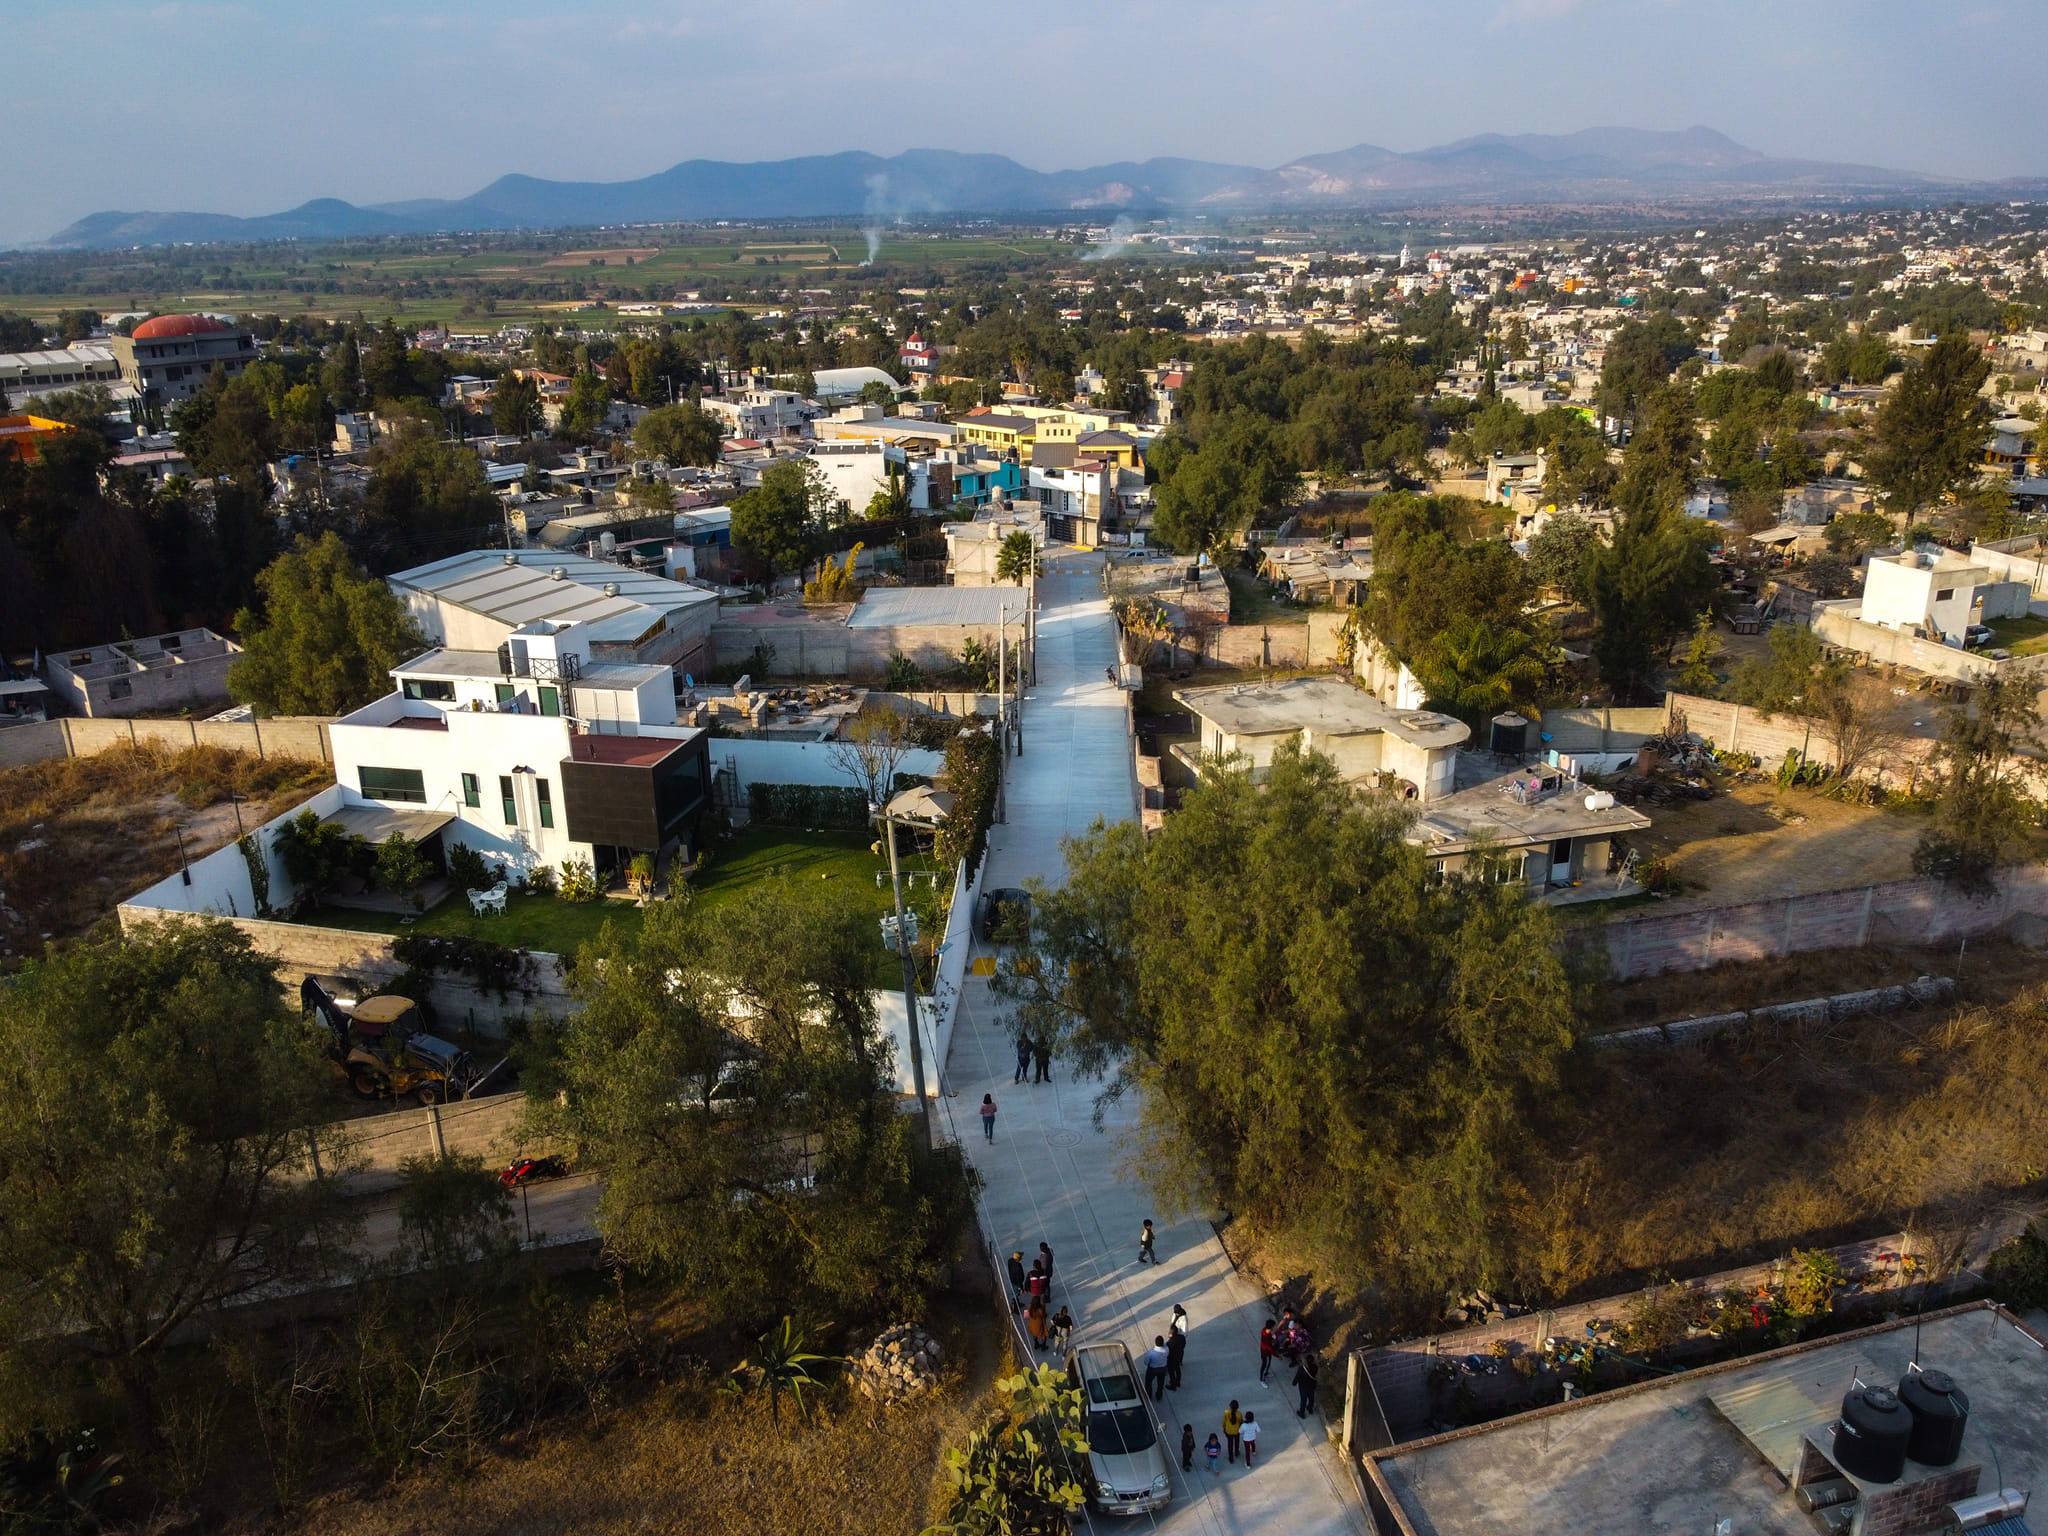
525,589
899,607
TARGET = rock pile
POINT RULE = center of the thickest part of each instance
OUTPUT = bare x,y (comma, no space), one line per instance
902,1362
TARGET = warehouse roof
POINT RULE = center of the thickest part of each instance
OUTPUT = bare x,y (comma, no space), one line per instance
908,607
515,587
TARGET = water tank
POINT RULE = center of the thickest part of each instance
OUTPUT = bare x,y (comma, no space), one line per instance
1871,1435
1939,1414
607,544
1600,800
1509,736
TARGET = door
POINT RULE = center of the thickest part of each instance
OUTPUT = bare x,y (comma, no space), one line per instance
1561,862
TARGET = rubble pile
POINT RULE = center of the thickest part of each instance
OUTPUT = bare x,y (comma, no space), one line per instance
902,1362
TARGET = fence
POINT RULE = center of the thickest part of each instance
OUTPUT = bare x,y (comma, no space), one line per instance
373,1148
1917,913
288,736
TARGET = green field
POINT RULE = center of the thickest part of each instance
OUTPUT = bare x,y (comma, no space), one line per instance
2023,637
737,866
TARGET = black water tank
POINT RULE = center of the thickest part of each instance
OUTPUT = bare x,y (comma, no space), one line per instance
1871,1435
1939,1414
1509,735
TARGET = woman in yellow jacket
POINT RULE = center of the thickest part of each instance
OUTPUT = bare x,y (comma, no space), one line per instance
1233,1423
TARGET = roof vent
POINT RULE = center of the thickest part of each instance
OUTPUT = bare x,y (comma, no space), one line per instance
556,573
510,558
611,589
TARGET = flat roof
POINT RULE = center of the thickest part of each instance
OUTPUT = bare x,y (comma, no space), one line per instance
629,751
1000,422
374,823
899,607
1491,810
515,587
1323,706
451,665
1667,1456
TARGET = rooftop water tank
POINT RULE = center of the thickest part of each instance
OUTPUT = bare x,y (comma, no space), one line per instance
1871,1435
1509,735
1940,1412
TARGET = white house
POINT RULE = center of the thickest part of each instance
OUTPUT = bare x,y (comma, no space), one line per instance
1415,748
531,755
1943,594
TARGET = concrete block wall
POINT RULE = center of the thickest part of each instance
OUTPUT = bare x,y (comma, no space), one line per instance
302,736
375,1147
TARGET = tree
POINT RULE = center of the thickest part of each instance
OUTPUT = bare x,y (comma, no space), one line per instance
778,518
681,434
426,494
1021,1475
1323,1033
315,854
1016,557
1697,676
1425,577
515,404
1929,434
325,637
1657,467
870,750
1855,534
1474,670
152,1094
585,407
1559,551
1646,589
891,499
836,582
1849,710
1639,361
1983,807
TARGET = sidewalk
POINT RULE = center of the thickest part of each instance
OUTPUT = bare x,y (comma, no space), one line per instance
1051,1176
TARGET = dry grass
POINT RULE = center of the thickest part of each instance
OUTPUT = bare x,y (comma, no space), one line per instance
79,835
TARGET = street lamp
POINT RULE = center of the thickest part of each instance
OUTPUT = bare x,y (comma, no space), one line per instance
920,806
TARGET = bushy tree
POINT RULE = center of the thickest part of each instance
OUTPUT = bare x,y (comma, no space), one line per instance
1646,589
426,495
515,404
778,519
1929,433
324,637
1427,575
1559,551
1983,809
681,434
584,408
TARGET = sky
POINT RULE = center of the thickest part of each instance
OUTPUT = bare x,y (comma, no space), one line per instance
208,105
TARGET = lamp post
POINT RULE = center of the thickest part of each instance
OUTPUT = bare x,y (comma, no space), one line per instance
920,806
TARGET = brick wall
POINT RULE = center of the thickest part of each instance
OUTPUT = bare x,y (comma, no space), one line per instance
1915,1507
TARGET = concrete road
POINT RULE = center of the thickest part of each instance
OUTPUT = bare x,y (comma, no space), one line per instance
1051,1175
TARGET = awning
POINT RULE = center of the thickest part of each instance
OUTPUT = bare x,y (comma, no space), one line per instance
374,823
1784,535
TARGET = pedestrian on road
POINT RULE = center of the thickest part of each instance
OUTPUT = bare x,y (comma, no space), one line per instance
1155,1369
1212,1450
1041,1054
1180,1320
1016,1267
1145,1244
1045,1261
1176,1347
1023,1057
1062,1328
1265,1350
1036,1323
988,1117
1305,1384
1250,1435
1187,1447
1233,1421
1109,673
1038,1283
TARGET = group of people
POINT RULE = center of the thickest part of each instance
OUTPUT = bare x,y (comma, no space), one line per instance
1163,1359
1031,1293
1033,1052
1240,1433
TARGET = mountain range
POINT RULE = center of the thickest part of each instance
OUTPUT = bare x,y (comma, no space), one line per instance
1597,165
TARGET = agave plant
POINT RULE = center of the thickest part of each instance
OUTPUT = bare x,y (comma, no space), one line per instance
778,1364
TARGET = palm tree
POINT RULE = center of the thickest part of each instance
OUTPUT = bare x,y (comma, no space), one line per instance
1474,670
1015,558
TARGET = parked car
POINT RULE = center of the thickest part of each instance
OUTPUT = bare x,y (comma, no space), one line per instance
1000,910
1978,634
1127,1472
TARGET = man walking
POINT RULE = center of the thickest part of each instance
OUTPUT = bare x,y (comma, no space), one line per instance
1023,1057
1041,1053
1016,1268
1145,1244
1305,1384
1155,1368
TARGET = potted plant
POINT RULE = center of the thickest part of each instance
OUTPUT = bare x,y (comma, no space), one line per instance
640,874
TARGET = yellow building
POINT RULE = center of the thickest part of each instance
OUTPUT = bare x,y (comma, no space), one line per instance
24,436
1002,432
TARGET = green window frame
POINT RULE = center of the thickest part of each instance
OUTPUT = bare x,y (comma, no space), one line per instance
551,701
507,693
505,797
547,802
472,791
406,786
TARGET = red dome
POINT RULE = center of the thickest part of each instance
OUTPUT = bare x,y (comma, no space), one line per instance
177,325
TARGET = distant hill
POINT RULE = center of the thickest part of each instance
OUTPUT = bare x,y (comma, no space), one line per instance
1596,165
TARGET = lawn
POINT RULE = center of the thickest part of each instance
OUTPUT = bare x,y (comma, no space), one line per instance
737,865
1255,601
2024,636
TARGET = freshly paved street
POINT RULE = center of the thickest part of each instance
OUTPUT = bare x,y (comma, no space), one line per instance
1052,1176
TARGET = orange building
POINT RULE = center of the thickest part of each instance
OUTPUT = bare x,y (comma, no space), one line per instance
24,436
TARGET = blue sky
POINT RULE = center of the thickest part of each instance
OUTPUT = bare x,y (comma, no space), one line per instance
251,108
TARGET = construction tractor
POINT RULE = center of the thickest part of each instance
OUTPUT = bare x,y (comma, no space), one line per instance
380,1045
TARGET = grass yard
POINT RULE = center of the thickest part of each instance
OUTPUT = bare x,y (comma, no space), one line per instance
530,922
2024,636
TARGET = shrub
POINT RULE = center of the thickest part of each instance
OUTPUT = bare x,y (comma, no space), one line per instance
973,764
539,881
467,868
579,880
807,805
902,674
2019,1271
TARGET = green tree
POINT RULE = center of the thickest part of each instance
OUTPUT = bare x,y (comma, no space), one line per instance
425,492
779,518
152,1094
1983,807
1639,361
1020,1476
1928,438
1474,670
1697,676
1426,577
1320,1032
1646,589
1855,534
1559,551
585,407
1016,557
341,375
1658,466
681,434
515,404
325,637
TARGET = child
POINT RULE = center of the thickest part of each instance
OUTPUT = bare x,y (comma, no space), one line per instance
1210,1450
1233,1421
1187,1447
1145,1244
1250,1435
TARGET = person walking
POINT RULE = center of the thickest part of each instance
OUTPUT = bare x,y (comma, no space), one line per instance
1045,1261
1038,1283
1250,1436
1176,1349
1155,1369
988,1117
1265,1350
1233,1421
1213,1451
1305,1384
1023,1056
1016,1268
1062,1328
1041,1054
1037,1324
1145,1244
1187,1447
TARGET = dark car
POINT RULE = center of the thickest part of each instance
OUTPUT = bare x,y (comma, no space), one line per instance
1005,912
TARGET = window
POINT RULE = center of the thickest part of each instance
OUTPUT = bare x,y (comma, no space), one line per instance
507,693
119,688
407,785
436,688
472,792
1944,594
547,802
551,701
505,797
